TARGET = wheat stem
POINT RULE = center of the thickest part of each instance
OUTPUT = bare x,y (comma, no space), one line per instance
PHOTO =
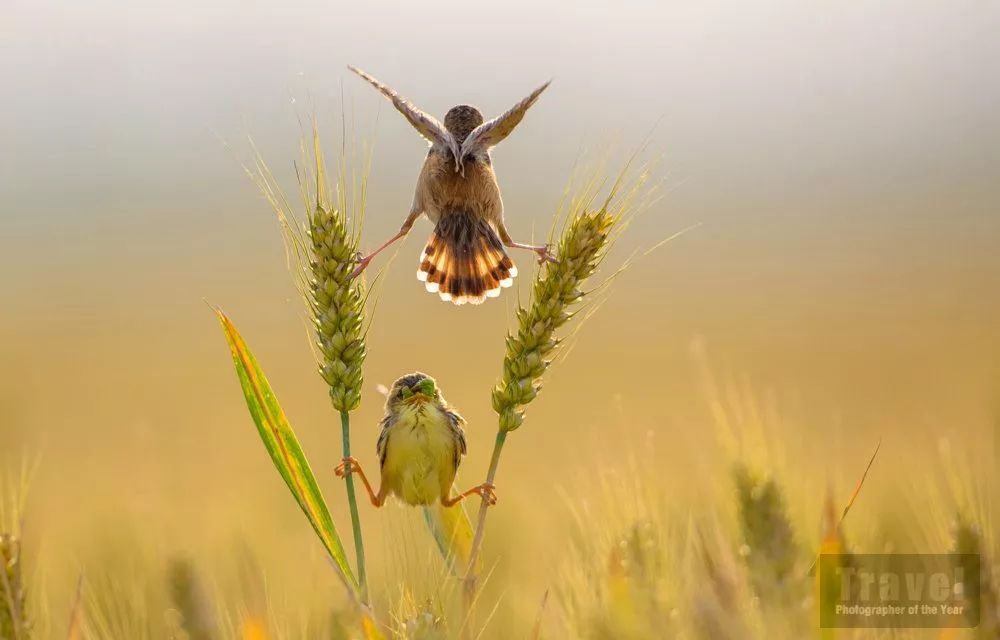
359,543
477,541
337,303
582,247
470,582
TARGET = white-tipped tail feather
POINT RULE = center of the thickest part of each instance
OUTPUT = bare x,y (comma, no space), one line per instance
464,261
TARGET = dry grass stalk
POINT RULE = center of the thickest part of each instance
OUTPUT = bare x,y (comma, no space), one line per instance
14,624
74,629
14,619
717,602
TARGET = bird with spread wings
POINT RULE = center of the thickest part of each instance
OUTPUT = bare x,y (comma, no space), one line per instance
465,259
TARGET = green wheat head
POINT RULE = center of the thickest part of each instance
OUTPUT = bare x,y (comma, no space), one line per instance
529,350
337,303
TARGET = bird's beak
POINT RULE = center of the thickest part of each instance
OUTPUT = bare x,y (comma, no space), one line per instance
420,391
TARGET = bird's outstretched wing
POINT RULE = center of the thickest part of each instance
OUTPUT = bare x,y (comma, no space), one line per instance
493,131
427,125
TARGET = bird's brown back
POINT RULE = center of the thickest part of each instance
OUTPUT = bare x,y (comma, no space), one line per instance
442,189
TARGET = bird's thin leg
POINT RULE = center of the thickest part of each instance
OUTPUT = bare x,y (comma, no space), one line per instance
544,254
407,224
485,491
351,465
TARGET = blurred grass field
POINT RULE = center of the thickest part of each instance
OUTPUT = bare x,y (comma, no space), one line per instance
625,512
617,544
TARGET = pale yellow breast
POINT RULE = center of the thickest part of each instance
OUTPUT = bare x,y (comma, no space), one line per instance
420,455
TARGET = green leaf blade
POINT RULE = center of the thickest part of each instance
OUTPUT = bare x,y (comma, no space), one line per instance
286,453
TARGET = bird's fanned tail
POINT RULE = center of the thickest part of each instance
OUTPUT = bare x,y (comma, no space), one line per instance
464,260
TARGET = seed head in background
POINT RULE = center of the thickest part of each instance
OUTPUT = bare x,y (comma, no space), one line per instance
13,609
465,259
14,621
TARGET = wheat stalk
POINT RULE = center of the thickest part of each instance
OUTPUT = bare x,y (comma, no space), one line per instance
336,302
529,350
556,294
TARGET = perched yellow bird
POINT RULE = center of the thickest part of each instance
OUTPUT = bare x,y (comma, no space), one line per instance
419,448
464,260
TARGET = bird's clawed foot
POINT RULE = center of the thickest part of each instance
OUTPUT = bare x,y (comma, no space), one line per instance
347,466
351,465
544,254
487,492
362,264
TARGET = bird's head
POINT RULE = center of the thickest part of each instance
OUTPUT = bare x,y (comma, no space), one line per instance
461,120
413,388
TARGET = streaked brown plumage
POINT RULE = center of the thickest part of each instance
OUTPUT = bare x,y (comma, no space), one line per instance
465,259
462,120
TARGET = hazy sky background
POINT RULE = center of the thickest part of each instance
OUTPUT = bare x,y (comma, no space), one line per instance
843,160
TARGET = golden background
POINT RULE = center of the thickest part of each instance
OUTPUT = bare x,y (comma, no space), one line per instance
843,162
